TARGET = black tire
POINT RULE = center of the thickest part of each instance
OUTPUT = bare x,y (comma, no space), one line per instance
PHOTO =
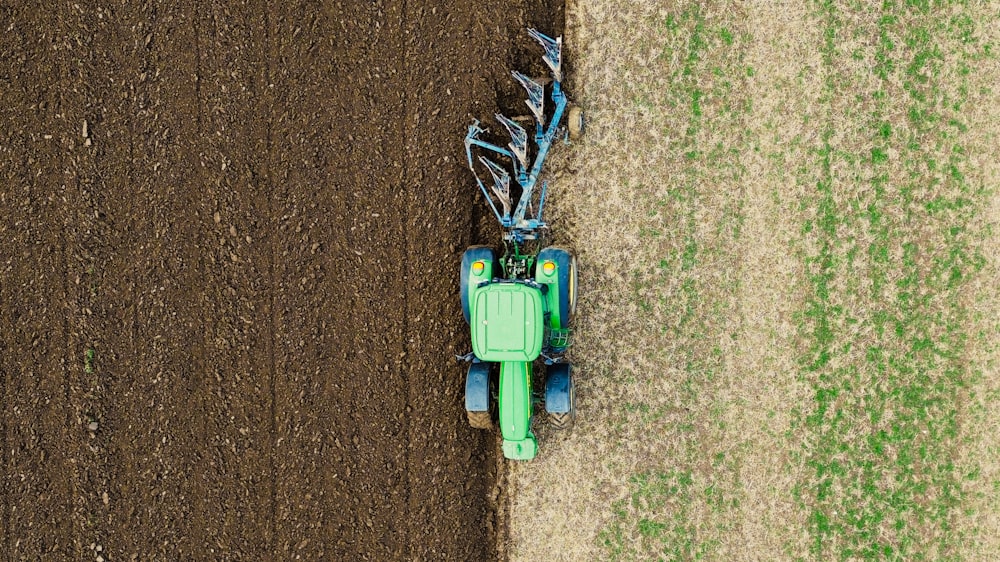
566,265
473,254
478,396
480,420
574,122
561,421
559,389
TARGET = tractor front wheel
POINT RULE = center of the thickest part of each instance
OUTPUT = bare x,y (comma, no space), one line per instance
566,266
472,255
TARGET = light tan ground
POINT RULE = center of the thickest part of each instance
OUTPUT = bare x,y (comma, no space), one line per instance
699,383
687,361
980,427
787,81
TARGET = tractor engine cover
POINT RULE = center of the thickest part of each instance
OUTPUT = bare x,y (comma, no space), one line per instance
507,322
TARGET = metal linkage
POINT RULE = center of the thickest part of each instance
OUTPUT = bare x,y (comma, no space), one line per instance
519,225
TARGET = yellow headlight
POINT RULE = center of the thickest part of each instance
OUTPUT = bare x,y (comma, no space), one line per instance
548,267
477,267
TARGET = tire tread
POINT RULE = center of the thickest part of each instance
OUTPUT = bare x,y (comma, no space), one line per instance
561,421
480,420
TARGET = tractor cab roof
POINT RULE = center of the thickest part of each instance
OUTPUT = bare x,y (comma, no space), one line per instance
507,322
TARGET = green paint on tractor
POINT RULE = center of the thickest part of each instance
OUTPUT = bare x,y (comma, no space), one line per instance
513,321
507,322
519,306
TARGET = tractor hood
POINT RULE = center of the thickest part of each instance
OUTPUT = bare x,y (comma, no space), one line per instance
507,322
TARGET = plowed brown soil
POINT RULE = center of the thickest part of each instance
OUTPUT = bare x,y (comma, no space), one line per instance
228,272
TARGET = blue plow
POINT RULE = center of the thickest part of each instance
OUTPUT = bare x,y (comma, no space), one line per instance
520,222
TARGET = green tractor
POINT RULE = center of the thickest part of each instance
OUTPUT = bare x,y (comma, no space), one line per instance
519,307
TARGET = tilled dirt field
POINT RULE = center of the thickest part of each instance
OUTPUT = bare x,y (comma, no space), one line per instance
228,266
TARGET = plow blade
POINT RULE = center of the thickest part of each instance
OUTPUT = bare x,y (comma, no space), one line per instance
518,139
536,96
553,52
501,182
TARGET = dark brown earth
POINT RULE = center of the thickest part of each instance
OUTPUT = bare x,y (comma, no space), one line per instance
252,214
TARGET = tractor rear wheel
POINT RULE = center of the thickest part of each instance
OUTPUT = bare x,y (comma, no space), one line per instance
560,396
480,420
561,421
574,122
478,394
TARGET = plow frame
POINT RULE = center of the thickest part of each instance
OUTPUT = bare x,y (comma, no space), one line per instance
518,225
